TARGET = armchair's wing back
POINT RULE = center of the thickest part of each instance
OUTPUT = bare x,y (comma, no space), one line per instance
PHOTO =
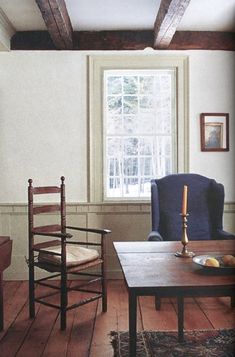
205,206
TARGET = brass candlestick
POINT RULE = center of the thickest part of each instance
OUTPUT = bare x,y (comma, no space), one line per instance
185,253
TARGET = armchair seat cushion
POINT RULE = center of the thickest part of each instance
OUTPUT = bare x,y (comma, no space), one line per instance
75,255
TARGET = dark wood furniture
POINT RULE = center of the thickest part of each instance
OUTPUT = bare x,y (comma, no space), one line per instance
5,261
151,268
52,249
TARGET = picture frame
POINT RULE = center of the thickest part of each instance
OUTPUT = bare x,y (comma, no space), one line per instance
214,129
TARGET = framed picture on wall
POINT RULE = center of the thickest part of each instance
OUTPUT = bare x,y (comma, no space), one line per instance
214,131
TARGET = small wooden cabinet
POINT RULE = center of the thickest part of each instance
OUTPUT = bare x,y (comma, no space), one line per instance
5,261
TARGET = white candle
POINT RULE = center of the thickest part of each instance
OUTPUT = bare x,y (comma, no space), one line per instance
185,200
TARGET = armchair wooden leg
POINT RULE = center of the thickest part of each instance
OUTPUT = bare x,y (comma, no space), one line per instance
31,292
104,294
63,300
104,279
157,303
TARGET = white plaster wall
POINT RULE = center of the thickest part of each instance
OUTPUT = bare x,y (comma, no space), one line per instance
44,111
43,115
212,90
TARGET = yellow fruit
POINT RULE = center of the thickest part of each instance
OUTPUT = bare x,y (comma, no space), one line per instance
226,259
212,262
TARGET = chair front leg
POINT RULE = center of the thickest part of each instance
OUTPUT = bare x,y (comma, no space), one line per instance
63,287
31,290
103,272
104,290
63,301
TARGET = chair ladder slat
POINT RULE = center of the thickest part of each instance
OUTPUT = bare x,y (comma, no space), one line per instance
47,229
46,209
46,189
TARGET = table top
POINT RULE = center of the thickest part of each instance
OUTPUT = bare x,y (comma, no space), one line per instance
201,247
153,265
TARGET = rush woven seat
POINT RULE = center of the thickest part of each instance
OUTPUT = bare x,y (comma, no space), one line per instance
74,255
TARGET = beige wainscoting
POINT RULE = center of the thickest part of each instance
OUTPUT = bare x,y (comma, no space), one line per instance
127,221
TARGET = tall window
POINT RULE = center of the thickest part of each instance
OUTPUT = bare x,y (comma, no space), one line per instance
138,123
139,130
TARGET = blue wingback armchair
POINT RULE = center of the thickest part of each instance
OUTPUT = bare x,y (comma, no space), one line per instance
205,208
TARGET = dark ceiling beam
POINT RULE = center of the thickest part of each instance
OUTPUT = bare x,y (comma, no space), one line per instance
203,40
56,18
126,40
168,18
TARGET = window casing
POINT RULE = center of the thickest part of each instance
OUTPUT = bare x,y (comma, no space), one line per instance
115,104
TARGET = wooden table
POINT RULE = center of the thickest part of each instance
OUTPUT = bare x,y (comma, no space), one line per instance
151,268
5,261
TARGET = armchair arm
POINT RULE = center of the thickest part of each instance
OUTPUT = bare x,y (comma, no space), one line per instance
155,236
91,230
57,235
221,234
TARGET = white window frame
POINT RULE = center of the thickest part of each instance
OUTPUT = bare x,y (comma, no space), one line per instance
97,66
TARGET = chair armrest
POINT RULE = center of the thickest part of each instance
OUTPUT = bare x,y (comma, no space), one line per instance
155,236
220,234
57,235
91,230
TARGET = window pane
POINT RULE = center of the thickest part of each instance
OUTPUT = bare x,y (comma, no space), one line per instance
131,146
113,146
114,85
145,146
146,166
146,103
113,168
146,84
115,105
130,85
113,187
130,123
131,188
146,123
130,104
130,167
114,124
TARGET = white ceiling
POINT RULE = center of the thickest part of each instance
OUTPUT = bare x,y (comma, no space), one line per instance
97,15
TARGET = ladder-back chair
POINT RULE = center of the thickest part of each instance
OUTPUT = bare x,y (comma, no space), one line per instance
60,255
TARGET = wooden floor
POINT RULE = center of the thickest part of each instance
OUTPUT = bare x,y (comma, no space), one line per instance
88,328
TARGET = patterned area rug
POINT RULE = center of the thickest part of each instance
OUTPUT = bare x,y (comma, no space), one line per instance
206,343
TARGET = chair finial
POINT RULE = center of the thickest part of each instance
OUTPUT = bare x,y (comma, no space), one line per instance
30,181
62,179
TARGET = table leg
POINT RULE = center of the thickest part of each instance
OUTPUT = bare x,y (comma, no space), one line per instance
1,301
180,301
232,301
132,323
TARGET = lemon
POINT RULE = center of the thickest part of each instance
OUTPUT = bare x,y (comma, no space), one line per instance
211,262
